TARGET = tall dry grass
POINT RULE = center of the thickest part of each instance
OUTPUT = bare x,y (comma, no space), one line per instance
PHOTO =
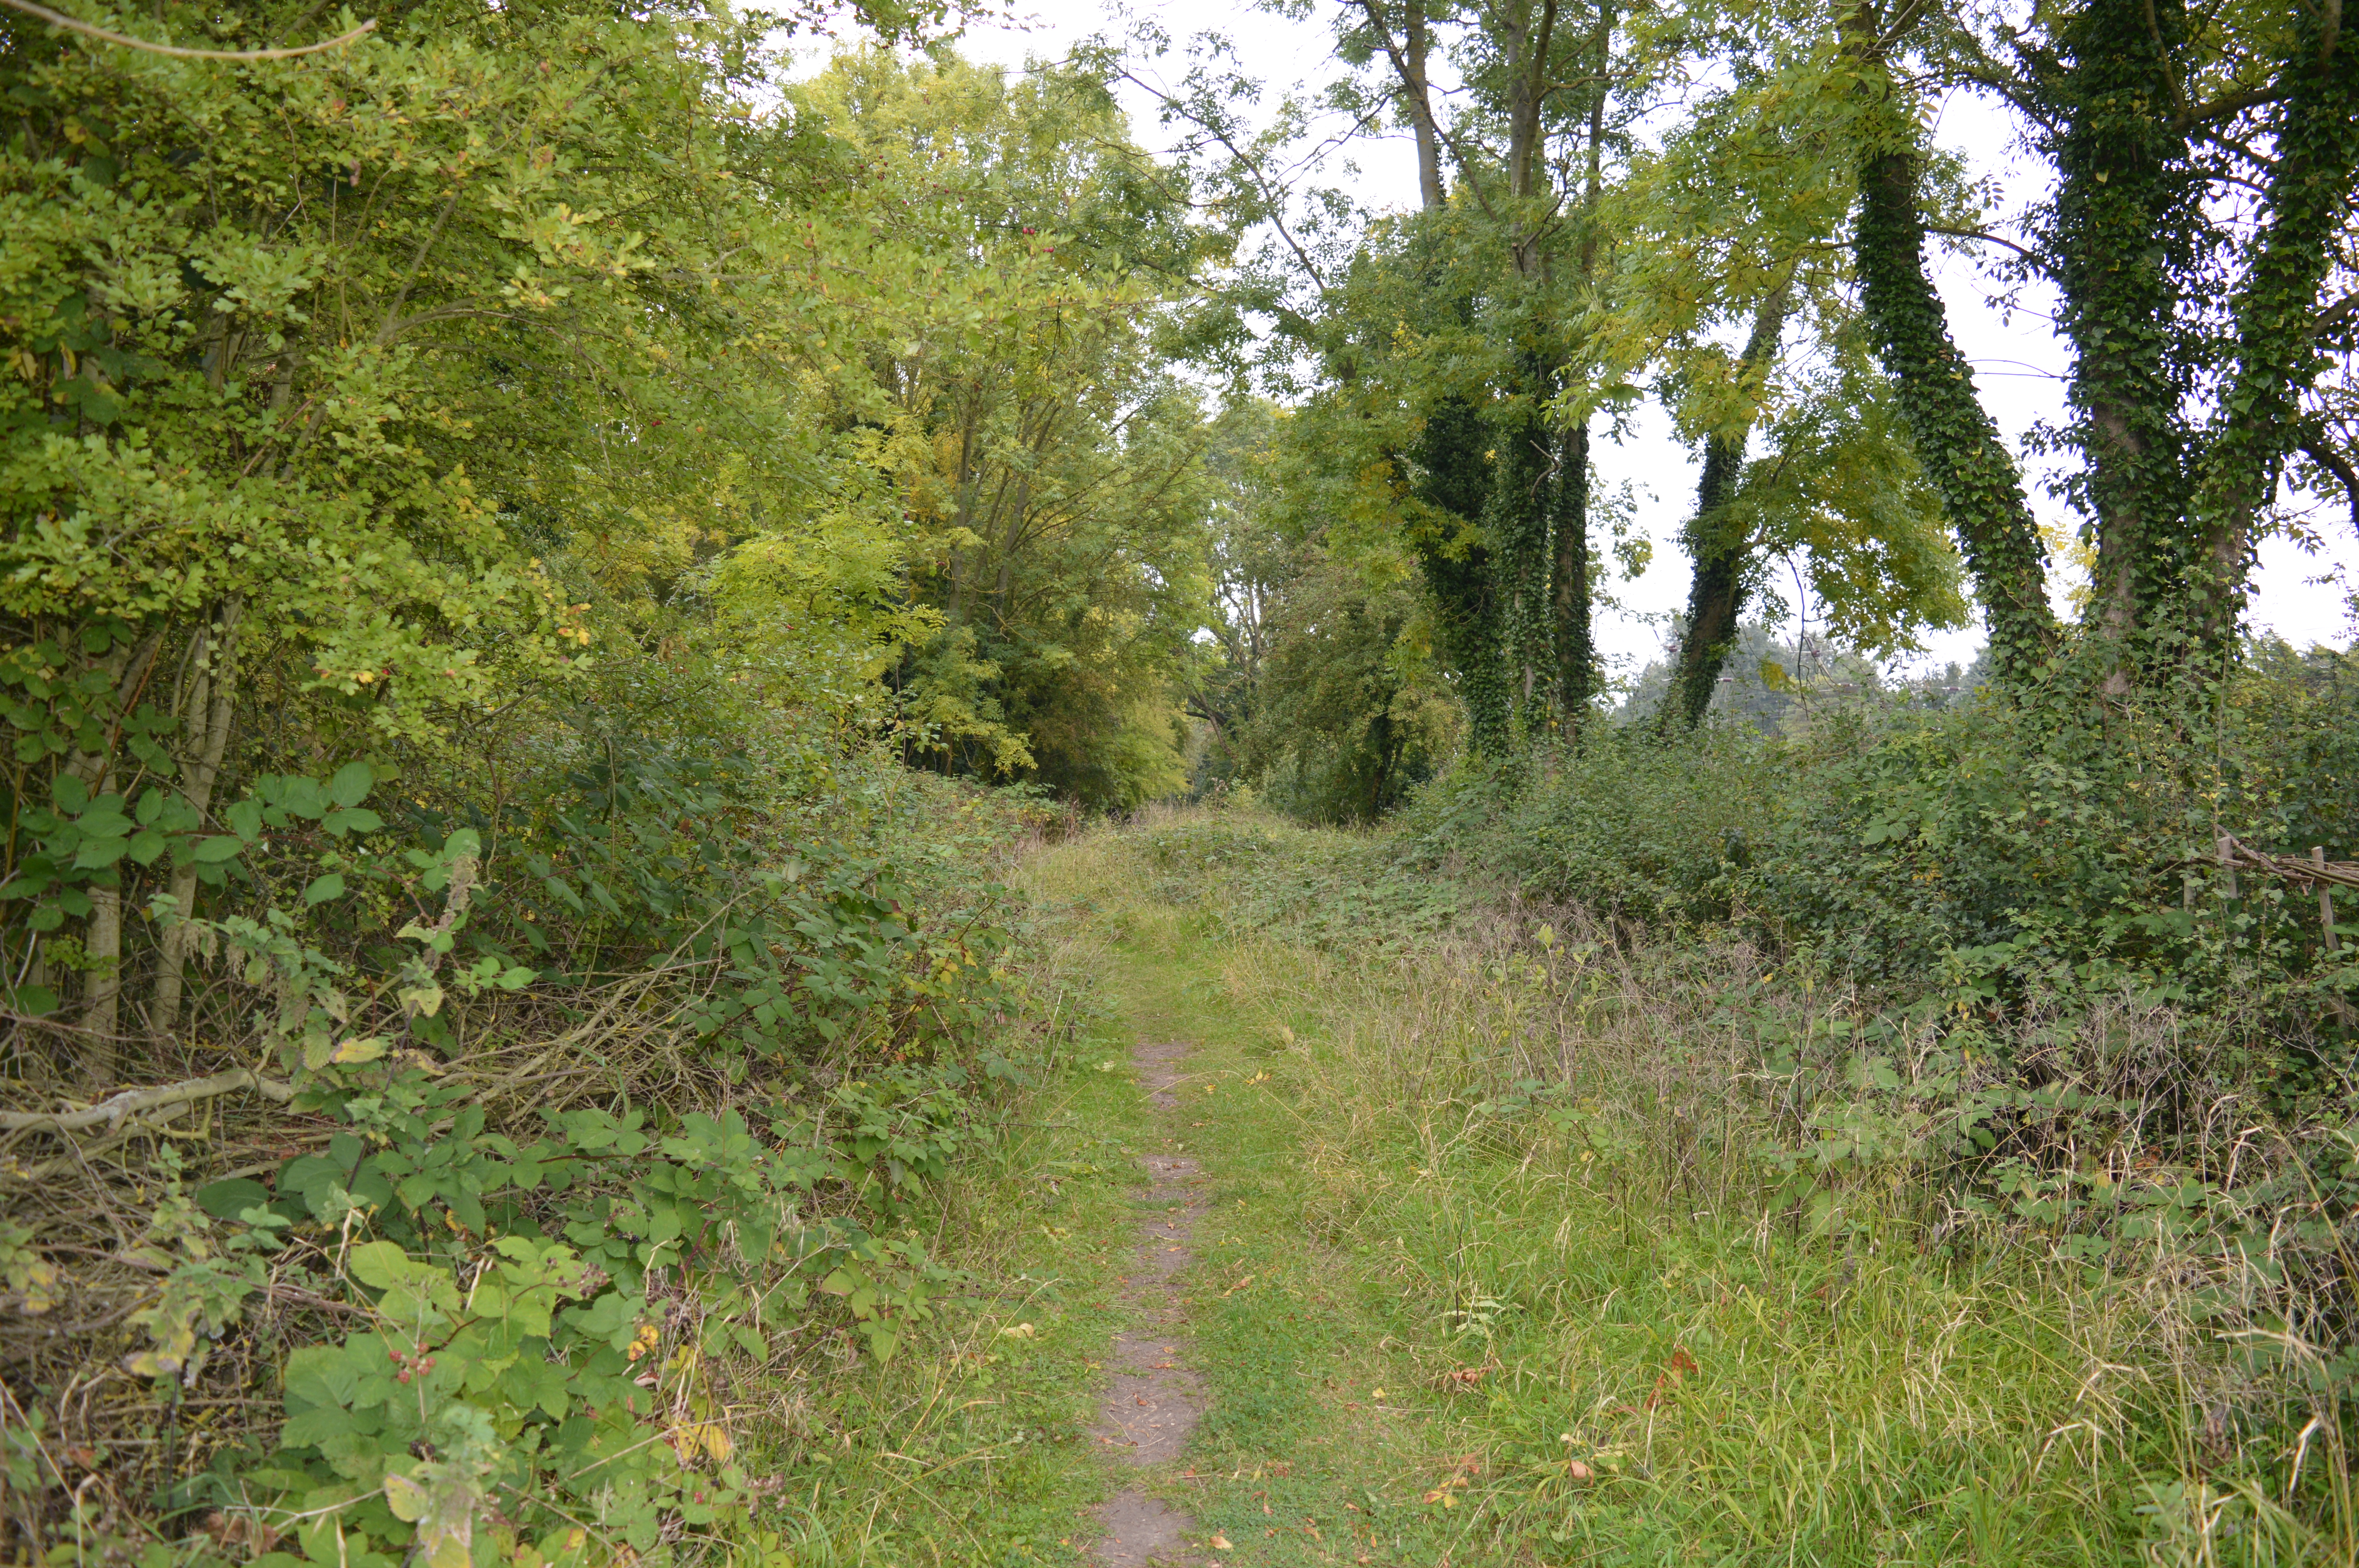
1716,1259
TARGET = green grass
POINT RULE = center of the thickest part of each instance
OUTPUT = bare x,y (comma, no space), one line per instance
1444,1319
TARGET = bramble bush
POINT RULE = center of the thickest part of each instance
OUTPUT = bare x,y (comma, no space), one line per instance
579,1117
1995,855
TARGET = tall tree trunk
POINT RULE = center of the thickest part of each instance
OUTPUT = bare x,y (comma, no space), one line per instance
1459,567
1515,523
1721,549
1409,55
1570,591
2117,231
1569,587
1529,42
1431,195
1954,437
2310,193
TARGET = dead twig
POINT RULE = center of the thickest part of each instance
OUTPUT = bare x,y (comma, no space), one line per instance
130,1102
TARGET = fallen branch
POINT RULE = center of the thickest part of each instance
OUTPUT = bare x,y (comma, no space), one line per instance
131,1101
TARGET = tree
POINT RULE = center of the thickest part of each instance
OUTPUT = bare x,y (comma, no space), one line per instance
1050,461
1465,350
1445,331
2200,210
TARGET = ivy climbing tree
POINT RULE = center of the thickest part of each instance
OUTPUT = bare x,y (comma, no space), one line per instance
1434,342
2197,233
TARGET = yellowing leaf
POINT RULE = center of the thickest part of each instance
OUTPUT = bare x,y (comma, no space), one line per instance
368,1048
406,1498
38,1280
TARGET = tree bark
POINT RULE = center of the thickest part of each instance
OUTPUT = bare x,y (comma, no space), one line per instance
1459,566
1572,592
1515,517
1721,552
1954,437
1409,57
1569,589
2309,191
2118,234
128,668
205,721
1419,44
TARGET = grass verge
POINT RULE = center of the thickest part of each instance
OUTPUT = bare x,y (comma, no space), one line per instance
1513,1260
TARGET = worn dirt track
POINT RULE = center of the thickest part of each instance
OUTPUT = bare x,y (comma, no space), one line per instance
1154,1399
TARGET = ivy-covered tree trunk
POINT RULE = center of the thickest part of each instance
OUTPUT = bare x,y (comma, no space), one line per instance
2123,201
1460,567
1955,438
1720,546
1569,586
1516,519
2259,417
1571,591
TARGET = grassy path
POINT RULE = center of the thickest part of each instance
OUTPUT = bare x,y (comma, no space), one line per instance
1474,1266
1306,1440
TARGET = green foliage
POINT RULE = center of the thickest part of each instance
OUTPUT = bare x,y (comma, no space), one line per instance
1048,460
1348,713
1983,856
535,1298
468,523
1241,873
2193,331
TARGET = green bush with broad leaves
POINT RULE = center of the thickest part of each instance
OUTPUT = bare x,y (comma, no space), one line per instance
535,1302
1983,859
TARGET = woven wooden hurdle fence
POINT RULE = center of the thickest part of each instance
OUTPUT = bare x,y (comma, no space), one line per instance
2236,857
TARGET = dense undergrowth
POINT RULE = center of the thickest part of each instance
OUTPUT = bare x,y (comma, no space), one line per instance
517,1150
1719,1239
2041,852
493,1033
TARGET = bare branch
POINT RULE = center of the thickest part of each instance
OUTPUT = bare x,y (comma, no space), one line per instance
2029,255
57,19
132,1101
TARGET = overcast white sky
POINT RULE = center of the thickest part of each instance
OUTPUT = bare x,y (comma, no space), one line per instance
2018,361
